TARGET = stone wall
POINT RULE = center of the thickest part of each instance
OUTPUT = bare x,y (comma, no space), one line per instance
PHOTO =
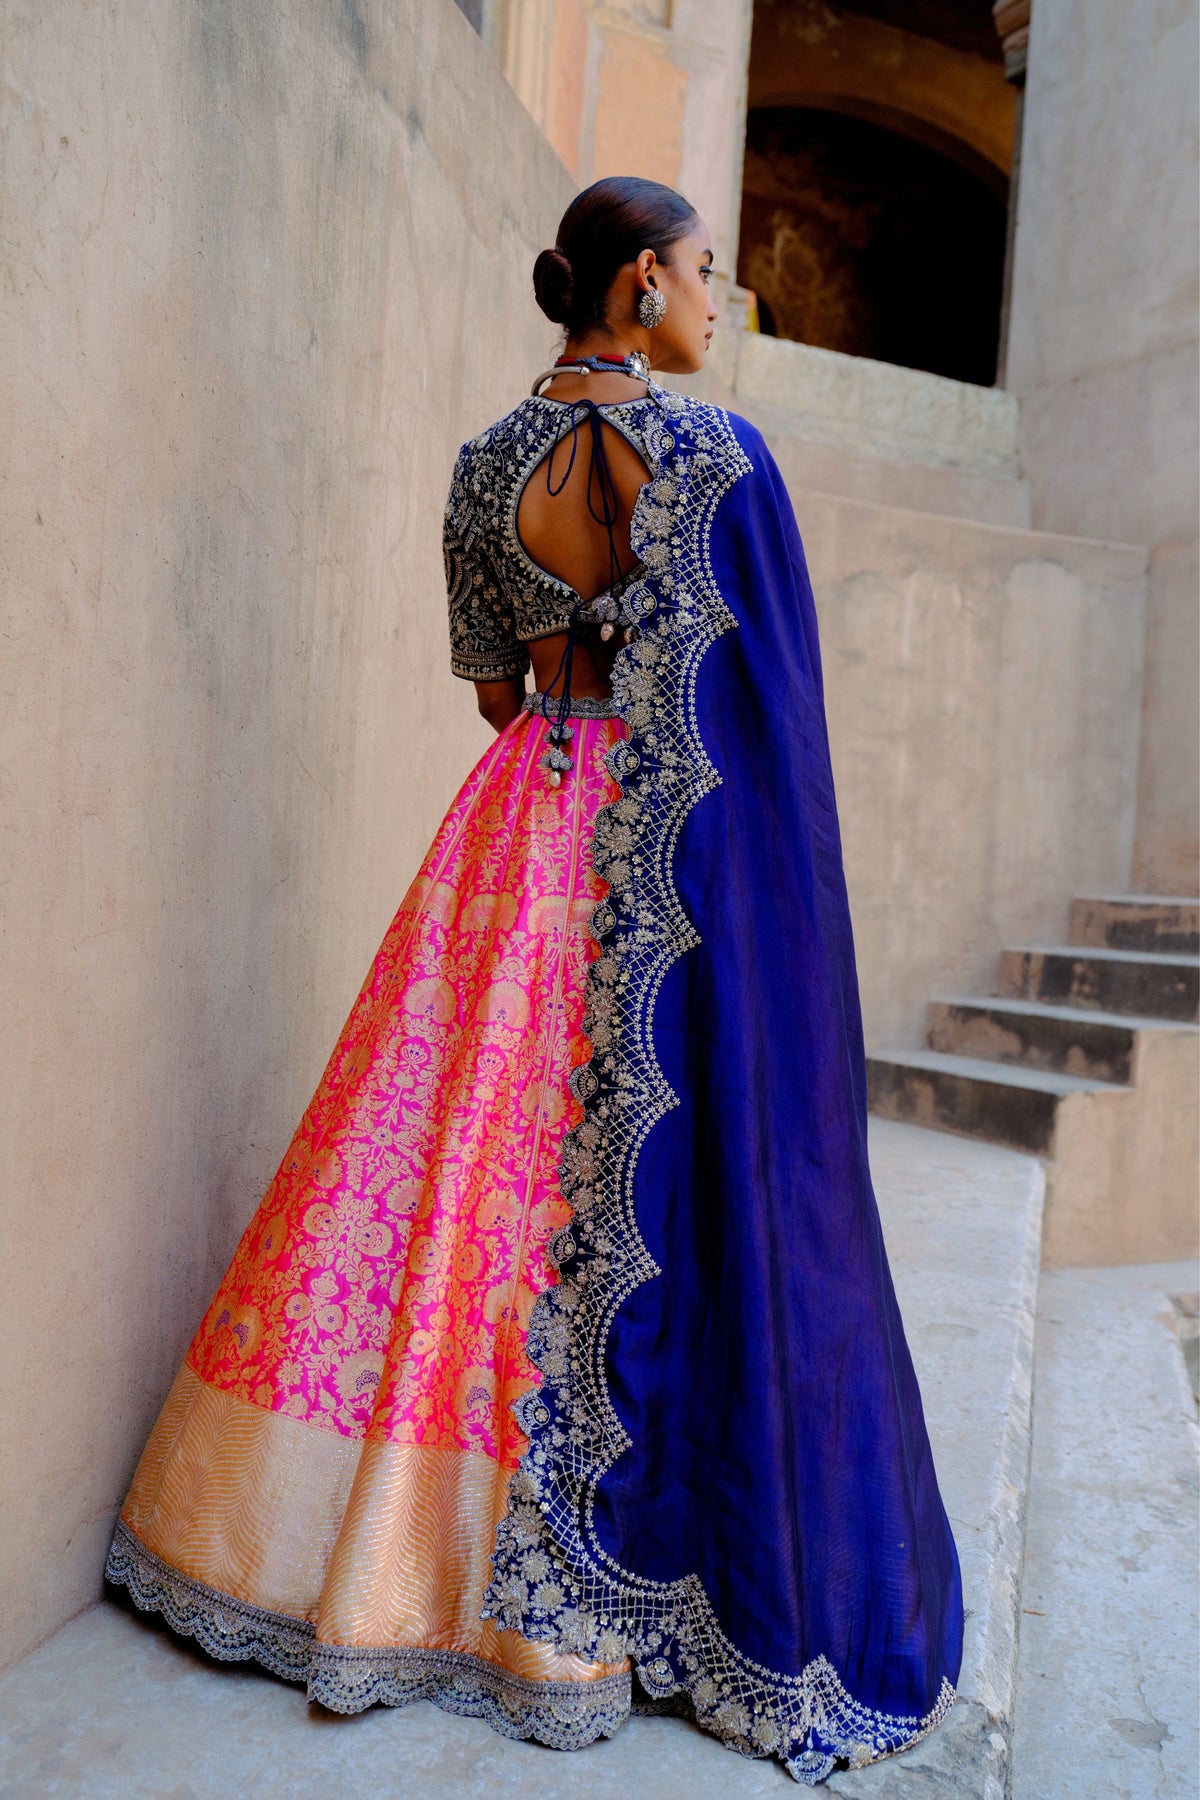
265,270
1103,348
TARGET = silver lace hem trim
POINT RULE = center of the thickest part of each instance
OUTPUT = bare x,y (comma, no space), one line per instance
566,1715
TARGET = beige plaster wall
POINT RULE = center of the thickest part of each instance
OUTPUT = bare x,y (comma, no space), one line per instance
1103,347
265,269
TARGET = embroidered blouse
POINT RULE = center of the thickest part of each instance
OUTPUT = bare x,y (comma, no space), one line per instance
499,597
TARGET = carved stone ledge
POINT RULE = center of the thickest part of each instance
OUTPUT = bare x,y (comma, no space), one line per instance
1011,19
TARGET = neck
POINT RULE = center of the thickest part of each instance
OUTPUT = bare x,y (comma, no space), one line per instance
591,343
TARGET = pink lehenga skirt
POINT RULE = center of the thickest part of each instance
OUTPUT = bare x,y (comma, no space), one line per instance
322,1487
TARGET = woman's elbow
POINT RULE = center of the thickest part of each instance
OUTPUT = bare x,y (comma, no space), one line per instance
499,702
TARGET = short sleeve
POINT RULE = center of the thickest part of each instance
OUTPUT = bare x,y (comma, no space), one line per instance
483,642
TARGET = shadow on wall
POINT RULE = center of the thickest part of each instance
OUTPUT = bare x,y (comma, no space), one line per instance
857,238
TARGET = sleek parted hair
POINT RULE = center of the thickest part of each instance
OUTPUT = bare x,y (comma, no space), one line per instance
605,226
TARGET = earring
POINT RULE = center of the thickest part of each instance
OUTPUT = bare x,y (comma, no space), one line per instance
651,308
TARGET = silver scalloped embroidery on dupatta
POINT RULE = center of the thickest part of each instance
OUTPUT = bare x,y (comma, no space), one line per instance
552,1580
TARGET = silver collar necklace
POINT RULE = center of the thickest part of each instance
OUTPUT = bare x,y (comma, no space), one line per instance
636,363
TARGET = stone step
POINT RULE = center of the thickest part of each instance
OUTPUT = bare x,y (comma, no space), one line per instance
1002,1102
1152,984
1100,1046
1151,922
1107,1667
1123,1161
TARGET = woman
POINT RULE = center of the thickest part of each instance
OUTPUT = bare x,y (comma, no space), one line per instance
560,1371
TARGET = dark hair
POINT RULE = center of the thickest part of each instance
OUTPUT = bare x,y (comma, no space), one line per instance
605,226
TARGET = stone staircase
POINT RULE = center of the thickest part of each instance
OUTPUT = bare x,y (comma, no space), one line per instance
1087,1054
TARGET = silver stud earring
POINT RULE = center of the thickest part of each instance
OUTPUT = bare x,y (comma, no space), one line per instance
651,308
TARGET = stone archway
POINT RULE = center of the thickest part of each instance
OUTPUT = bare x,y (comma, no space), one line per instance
860,238
880,139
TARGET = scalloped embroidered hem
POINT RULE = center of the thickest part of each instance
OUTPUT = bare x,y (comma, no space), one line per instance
565,1715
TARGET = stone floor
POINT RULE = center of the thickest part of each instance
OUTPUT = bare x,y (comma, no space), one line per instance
1108,1676
114,1706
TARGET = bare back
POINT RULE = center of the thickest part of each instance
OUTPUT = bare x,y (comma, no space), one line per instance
560,531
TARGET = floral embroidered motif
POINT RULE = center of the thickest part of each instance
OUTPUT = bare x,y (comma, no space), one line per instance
497,594
593,1606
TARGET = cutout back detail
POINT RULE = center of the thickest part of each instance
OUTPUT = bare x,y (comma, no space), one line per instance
572,516
560,522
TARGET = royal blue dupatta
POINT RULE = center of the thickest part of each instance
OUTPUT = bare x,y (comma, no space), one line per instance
729,1478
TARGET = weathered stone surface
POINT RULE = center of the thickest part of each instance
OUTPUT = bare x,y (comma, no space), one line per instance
1137,922
1103,348
1089,1057
853,402
983,686
858,474
1034,1034
1122,981
1122,1159
1003,1102
1165,851
1107,1682
966,1758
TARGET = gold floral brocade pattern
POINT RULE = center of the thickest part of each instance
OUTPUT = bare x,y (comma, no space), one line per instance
377,1545
384,1287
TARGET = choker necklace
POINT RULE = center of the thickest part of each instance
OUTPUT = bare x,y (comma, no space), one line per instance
637,364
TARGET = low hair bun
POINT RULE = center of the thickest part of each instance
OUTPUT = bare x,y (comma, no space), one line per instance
553,285
606,226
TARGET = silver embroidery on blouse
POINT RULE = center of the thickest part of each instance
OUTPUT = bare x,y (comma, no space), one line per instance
591,1605
498,596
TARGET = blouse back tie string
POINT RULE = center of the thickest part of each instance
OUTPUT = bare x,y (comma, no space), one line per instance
556,708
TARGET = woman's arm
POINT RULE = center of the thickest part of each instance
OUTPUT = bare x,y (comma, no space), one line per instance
500,701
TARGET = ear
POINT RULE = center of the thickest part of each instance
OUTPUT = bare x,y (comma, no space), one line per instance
645,267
